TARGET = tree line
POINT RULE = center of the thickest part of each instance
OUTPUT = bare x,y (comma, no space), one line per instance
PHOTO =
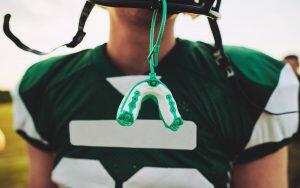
5,97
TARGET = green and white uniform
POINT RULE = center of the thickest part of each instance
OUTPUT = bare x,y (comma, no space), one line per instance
67,105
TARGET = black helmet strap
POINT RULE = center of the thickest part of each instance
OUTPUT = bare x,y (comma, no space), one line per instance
75,41
220,57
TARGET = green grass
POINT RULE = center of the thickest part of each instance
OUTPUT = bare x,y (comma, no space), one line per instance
13,159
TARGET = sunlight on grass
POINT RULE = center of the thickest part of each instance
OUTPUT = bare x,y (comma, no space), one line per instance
13,159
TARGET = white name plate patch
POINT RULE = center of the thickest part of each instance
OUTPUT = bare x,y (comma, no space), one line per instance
143,134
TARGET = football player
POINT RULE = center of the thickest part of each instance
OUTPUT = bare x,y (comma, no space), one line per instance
65,108
294,62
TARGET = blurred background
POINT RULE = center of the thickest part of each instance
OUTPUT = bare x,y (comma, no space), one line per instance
271,26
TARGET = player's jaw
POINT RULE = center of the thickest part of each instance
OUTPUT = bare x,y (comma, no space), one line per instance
134,16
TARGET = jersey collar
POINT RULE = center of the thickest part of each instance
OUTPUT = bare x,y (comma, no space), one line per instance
107,68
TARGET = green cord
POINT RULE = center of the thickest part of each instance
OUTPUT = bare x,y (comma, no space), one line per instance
127,114
153,56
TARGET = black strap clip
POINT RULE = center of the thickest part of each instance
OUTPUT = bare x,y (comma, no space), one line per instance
224,63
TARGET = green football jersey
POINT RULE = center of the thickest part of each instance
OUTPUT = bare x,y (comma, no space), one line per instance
67,105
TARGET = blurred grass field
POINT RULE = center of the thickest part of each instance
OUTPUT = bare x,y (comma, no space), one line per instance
14,161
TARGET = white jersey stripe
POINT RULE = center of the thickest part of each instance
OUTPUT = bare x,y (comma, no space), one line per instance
275,128
144,134
285,96
81,173
167,178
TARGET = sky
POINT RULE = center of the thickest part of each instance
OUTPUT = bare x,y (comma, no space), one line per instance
271,26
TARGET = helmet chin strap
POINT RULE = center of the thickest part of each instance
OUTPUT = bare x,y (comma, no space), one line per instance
151,88
88,7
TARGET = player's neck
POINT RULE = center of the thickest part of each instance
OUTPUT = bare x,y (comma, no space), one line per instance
128,46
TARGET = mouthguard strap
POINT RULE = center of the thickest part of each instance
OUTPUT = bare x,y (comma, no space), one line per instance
153,56
152,87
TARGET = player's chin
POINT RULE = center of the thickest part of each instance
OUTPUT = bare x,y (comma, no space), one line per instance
144,13
137,16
